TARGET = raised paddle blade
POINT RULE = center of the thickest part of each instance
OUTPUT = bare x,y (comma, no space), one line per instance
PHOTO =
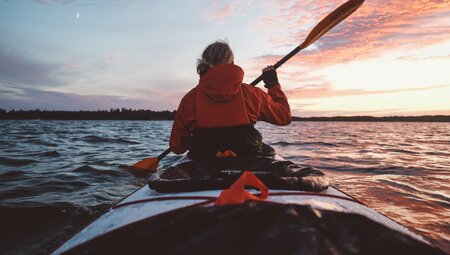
324,26
331,21
148,164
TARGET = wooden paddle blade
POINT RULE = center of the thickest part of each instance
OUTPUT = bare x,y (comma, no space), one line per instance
331,21
148,164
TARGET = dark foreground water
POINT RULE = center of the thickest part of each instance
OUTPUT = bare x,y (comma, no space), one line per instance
56,176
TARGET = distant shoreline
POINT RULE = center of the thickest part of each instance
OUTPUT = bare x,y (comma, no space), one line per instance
128,114
423,118
112,114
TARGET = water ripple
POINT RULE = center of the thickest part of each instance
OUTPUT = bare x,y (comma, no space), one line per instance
97,139
75,167
16,162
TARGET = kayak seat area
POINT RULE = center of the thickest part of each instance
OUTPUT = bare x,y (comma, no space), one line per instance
220,173
254,228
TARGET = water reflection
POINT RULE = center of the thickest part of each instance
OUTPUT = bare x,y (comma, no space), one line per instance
399,169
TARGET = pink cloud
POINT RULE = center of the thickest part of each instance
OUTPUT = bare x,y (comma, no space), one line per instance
111,56
220,11
326,90
376,27
331,113
378,113
69,66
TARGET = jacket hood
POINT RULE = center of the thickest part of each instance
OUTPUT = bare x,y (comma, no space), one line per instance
221,82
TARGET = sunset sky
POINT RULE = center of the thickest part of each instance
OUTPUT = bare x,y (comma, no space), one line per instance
390,57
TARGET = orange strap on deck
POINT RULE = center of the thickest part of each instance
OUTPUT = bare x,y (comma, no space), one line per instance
225,154
237,194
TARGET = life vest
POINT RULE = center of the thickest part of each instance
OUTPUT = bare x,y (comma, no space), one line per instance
223,127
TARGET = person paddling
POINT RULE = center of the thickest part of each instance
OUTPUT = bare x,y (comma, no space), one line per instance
217,117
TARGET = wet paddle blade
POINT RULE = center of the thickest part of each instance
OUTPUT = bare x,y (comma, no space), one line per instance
148,164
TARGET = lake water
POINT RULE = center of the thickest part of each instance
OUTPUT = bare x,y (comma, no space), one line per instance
56,176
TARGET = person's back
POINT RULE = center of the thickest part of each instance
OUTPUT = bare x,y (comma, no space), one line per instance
217,117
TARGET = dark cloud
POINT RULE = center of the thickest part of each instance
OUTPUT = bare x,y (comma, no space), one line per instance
22,70
27,98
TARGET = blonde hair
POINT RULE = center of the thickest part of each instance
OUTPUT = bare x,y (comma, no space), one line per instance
218,52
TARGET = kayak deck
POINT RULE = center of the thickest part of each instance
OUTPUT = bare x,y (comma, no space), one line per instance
145,203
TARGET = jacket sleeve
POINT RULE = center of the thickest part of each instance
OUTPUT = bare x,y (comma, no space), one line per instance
274,107
181,130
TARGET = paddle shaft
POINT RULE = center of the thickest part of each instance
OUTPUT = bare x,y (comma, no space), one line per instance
164,154
279,63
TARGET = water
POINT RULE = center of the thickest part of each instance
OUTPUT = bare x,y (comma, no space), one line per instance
56,176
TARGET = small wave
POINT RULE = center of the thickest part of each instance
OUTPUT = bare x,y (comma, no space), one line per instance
17,193
49,154
282,143
4,142
45,143
437,153
426,195
94,171
319,144
25,230
397,170
11,175
41,190
58,185
98,139
16,162
402,151
443,142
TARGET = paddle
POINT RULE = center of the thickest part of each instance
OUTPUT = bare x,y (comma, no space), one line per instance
330,21
149,164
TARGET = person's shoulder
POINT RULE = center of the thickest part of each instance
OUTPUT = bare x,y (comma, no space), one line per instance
190,95
252,89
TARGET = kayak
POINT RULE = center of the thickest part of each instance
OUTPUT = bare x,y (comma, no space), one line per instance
287,221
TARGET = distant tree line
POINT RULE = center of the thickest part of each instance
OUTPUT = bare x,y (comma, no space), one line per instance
425,118
112,114
129,114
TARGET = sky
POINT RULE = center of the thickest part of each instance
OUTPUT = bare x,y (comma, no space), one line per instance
389,58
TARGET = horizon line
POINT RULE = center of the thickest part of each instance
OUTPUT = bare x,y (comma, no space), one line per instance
129,110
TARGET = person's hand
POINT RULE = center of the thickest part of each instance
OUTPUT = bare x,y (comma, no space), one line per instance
270,77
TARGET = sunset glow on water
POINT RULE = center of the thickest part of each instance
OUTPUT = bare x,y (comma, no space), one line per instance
68,172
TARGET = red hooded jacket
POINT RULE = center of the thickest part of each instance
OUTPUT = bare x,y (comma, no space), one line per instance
222,100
